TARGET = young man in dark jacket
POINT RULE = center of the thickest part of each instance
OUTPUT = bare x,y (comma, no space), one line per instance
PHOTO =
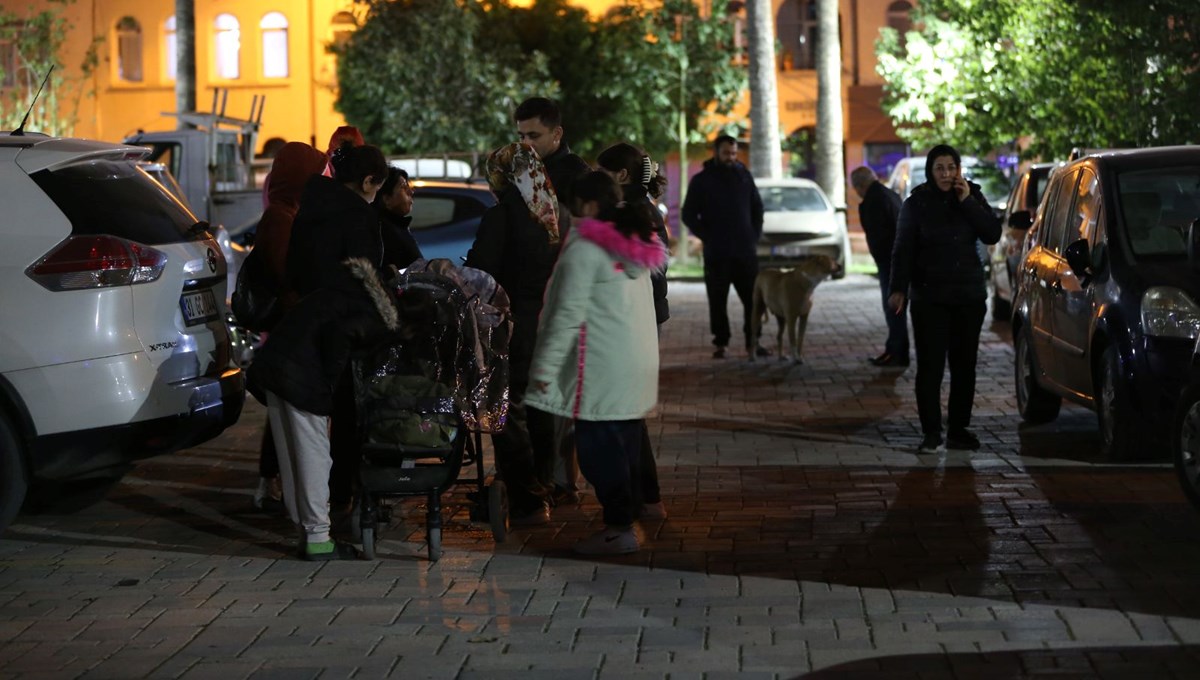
878,212
724,210
539,125
936,268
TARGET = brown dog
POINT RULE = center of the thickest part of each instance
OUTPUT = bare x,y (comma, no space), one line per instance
787,294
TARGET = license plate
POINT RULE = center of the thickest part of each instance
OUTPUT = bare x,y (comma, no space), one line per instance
788,251
198,307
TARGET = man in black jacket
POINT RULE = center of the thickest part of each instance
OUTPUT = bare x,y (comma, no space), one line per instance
724,210
878,212
539,125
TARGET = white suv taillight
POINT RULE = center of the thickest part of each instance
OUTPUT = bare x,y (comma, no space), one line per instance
82,262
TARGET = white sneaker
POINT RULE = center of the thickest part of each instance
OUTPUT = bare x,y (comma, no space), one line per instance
610,541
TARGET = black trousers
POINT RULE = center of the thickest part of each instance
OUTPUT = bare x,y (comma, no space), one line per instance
946,332
897,339
344,446
608,454
524,450
719,273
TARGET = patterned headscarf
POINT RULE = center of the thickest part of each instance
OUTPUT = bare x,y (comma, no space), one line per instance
518,165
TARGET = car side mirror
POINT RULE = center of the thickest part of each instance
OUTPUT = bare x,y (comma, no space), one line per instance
1193,244
839,208
1022,219
1079,258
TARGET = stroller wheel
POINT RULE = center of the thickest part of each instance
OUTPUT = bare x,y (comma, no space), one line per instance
368,542
498,510
362,506
435,544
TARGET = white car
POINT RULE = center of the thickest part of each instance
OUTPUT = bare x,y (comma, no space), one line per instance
113,337
799,220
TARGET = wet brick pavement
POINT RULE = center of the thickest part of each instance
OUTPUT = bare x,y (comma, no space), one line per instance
806,538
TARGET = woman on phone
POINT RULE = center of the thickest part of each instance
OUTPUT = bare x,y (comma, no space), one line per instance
937,270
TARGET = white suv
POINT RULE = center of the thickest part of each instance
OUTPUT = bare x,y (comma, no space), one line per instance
113,338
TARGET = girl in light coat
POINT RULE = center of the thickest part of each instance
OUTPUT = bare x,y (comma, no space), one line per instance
596,358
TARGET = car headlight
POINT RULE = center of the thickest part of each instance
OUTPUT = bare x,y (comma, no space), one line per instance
1169,312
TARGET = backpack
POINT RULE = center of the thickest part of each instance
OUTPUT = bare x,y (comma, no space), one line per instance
255,301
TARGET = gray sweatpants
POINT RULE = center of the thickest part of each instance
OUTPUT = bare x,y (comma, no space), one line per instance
302,442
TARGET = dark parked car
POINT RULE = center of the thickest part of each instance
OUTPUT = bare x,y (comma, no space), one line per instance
1185,433
1018,214
1105,309
446,216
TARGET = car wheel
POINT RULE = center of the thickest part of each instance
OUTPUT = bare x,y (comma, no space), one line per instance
14,479
1035,404
1118,431
1185,444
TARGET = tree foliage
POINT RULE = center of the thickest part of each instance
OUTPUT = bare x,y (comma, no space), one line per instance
1055,73
37,39
423,76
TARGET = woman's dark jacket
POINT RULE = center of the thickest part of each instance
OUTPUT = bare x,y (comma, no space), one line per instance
516,250
307,351
400,249
332,225
935,258
658,278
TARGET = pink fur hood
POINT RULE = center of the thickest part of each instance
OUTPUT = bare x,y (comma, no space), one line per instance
630,249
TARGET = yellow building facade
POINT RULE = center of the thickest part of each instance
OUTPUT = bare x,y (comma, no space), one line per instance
278,49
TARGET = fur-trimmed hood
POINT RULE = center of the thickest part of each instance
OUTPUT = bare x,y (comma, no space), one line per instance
362,269
630,250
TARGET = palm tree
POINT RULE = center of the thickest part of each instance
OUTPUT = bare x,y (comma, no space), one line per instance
185,61
766,157
828,153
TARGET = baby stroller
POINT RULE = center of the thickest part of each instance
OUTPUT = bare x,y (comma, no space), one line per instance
426,395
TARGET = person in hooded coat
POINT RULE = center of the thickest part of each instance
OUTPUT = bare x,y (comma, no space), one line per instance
294,165
936,268
297,372
596,357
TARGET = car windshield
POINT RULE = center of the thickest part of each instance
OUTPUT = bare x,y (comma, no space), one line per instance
792,199
1157,207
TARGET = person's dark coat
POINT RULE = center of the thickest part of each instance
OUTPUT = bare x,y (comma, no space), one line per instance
333,225
934,258
516,250
308,350
724,210
400,249
563,168
658,276
878,214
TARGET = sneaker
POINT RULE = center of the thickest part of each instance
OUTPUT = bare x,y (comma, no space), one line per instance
532,518
610,541
563,496
930,444
329,551
761,351
719,353
654,511
269,494
962,440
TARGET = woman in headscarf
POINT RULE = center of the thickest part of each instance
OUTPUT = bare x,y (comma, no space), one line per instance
936,269
293,166
517,243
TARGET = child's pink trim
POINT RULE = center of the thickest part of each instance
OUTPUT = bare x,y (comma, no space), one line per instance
579,376
649,254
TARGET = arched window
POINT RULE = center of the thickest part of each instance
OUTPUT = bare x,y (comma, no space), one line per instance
129,50
343,26
172,47
796,26
274,28
229,46
899,17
